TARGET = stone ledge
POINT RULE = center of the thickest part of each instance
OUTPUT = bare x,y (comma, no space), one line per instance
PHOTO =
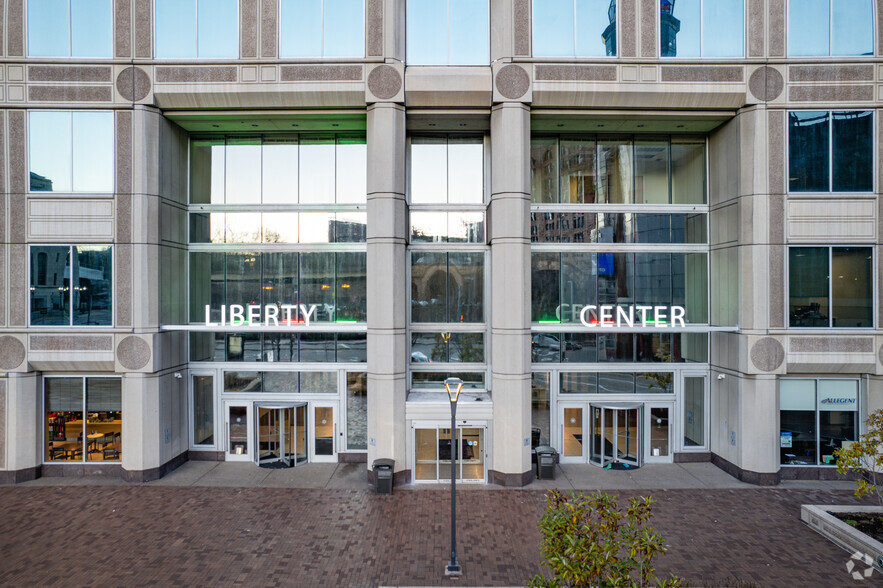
835,530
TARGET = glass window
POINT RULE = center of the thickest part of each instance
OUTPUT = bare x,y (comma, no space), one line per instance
694,411
835,282
448,32
447,170
447,287
540,414
447,227
830,27
816,417
701,28
436,380
574,28
197,28
71,437
69,28
203,410
71,151
830,151
322,28
357,410
447,347
71,285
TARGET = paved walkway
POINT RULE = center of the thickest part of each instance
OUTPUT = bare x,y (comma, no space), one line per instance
318,525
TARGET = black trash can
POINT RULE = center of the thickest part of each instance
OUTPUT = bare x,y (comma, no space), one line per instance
383,471
546,458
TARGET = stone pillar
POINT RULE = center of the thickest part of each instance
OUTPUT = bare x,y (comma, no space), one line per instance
759,431
387,287
508,217
23,427
141,426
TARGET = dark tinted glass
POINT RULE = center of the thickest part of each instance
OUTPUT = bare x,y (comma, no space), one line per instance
852,287
544,170
852,152
808,149
545,287
808,287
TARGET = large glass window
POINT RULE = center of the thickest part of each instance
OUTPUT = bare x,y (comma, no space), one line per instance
617,170
830,27
583,347
540,413
322,28
701,28
357,411
333,281
71,285
816,417
69,28
447,287
72,438
197,28
278,347
447,170
203,410
830,151
574,28
446,347
279,169
694,411
70,151
830,287
448,32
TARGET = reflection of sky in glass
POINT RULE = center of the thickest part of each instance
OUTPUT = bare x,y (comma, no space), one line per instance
722,29
48,28
314,226
687,11
90,28
429,183
469,42
808,27
465,172
853,32
218,29
344,29
300,32
427,32
175,28
243,161
49,143
553,28
466,227
279,161
280,227
317,171
429,226
591,22
352,171
218,174
243,227
93,151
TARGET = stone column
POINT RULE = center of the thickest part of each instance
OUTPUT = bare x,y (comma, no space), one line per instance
387,287
508,217
23,427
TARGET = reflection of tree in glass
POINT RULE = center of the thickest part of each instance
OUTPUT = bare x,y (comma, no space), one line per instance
662,380
440,349
470,348
272,236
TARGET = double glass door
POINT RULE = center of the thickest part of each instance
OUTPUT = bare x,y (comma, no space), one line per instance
433,449
281,434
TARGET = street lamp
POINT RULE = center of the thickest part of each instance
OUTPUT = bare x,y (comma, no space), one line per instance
453,386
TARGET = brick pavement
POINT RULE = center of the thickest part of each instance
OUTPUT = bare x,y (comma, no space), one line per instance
204,536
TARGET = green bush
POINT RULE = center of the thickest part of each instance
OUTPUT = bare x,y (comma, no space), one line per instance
589,541
864,459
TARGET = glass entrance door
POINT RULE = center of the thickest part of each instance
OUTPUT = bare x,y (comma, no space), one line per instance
238,430
279,434
324,432
572,433
433,450
616,434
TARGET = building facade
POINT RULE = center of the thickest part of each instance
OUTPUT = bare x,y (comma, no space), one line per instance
267,231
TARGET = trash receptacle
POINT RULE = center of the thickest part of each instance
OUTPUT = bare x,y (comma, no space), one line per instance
383,472
546,458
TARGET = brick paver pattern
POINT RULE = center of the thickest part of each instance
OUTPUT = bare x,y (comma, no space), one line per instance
128,536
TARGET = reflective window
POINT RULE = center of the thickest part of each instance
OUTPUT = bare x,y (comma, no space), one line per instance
447,287
279,347
436,380
563,283
72,438
701,28
197,28
447,227
448,32
641,347
830,27
203,410
830,151
280,227
335,282
279,169
69,28
830,287
281,382
447,170
694,411
447,347
71,285
321,28
574,28
816,417
70,151
540,414
616,383
356,410
617,170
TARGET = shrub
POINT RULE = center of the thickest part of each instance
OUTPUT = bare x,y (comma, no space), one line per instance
864,460
589,541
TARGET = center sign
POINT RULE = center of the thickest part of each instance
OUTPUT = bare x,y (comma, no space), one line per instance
618,316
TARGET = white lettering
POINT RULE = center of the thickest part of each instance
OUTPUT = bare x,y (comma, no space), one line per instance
677,315
582,315
236,312
628,318
304,311
208,321
658,315
643,310
223,315
254,316
271,313
606,317
287,308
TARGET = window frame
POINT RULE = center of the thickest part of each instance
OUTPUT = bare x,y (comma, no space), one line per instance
830,248
322,56
196,36
829,55
535,7
83,378
702,36
113,287
859,424
70,54
874,150
447,62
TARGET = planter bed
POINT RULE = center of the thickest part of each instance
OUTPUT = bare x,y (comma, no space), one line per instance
820,519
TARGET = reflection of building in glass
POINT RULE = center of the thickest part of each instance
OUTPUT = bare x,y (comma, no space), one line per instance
40,183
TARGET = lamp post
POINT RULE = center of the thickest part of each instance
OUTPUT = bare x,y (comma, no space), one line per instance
453,387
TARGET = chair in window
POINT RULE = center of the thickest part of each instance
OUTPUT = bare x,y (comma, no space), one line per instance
110,453
56,452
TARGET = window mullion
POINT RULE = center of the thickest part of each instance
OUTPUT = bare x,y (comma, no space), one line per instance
830,287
